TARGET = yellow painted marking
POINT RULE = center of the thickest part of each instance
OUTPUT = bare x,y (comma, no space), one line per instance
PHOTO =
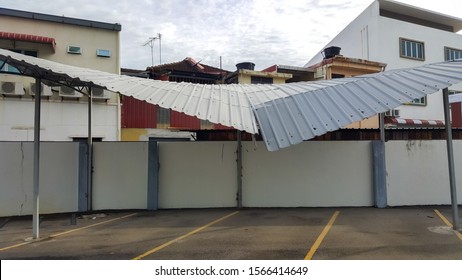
67,232
321,237
443,218
14,246
183,236
92,225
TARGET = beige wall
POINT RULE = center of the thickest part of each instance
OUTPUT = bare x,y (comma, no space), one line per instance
89,39
245,76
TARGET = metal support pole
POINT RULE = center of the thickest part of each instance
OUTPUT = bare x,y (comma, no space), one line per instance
379,170
90,154
239,169
452,177
382,126
36,210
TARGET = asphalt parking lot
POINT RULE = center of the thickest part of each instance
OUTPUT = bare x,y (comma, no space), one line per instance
238,234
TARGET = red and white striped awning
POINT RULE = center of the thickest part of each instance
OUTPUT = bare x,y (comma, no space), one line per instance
413,122
29,38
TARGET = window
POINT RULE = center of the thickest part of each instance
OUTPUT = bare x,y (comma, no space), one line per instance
261,80
418,101
337,76
103,53
9,68
451,54
74,50
411,49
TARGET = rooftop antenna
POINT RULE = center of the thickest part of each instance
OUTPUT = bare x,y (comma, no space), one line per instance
150,43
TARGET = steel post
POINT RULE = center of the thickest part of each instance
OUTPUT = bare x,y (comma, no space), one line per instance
90,154
36,176
239,169
450,149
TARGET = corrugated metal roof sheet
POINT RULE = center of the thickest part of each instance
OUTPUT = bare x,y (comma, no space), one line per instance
454,98
287,114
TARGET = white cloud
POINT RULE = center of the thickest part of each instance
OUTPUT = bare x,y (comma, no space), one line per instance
263,31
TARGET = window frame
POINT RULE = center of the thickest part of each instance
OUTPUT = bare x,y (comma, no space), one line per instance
422,102
11,69
447,49
402,54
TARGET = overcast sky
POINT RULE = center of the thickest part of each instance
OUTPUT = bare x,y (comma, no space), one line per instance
265,32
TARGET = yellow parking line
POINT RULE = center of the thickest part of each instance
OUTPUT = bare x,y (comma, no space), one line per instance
15,246
320,238
92,225
66,232
183,236
443,218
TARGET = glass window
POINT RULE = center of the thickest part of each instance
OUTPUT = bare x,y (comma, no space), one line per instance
452,54
411,49
9,68
261,80
103,53
418,101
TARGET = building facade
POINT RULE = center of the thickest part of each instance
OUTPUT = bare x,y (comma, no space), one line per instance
142,120
70,41
403,36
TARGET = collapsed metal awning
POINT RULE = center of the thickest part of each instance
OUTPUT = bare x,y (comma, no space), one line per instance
285,114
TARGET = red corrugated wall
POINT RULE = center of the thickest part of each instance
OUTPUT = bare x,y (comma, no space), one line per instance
182,121
138,114
221,127
456,109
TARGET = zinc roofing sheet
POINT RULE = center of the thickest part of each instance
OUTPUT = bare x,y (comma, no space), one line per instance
285,114
455,98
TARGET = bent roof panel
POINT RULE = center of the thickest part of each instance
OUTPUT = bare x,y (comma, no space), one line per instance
285,114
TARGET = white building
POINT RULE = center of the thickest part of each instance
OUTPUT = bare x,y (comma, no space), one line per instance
71,41
402,36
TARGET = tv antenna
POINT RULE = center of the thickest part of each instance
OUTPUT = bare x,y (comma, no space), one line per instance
150,43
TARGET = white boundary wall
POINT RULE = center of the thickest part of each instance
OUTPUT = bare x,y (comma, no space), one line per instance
58,177
311,174
197,174
203,174
418,172
120,177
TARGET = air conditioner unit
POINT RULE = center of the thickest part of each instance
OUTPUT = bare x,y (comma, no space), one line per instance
69,92
12,88
45,90
100,93
389,113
